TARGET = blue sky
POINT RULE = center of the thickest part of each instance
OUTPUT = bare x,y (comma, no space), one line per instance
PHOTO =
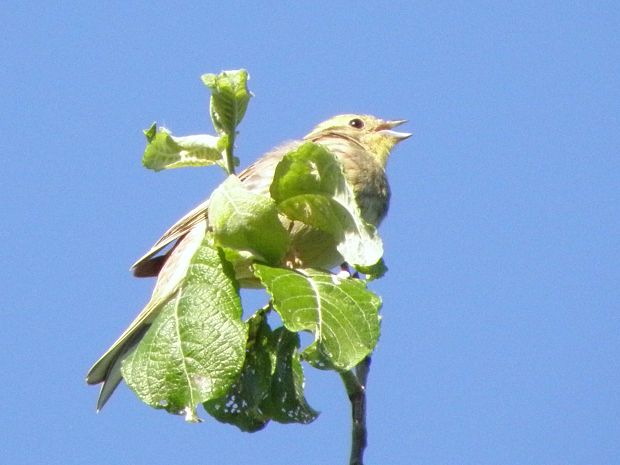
501,319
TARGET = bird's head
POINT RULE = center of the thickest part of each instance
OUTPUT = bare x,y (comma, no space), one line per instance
374,134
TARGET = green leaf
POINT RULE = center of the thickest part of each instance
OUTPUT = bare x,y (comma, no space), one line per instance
229,99
311,168
286,402
247,222
342,313
309,186
375,271
195,347
241,405
164,151
270,385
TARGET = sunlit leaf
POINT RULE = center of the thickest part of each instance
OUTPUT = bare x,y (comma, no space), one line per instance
309,186
194,349
229,98
245,221
342,313
164,151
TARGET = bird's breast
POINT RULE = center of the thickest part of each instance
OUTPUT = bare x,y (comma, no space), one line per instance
365,175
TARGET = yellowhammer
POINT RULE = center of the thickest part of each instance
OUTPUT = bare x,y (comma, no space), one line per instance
362,143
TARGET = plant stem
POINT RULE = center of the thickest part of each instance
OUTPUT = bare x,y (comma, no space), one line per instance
355,384
230,159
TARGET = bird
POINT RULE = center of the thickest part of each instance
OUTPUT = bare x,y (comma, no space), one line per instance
362,143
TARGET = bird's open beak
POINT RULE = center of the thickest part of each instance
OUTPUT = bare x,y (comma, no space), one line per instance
386,130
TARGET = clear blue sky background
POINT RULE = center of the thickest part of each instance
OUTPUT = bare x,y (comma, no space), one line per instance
501,318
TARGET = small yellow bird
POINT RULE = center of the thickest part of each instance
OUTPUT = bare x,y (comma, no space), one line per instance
362,143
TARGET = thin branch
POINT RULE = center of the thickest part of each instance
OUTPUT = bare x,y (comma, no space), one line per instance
362,370
355,384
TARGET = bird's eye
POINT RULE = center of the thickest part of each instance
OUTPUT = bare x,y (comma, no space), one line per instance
356,123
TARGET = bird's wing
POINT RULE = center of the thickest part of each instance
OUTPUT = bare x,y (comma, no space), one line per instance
170,269
256,178
176,231
106,370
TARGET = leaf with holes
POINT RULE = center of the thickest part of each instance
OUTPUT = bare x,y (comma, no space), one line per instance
241,404
286,402
270,386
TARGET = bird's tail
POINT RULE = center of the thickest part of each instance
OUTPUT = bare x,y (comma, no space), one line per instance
107,369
